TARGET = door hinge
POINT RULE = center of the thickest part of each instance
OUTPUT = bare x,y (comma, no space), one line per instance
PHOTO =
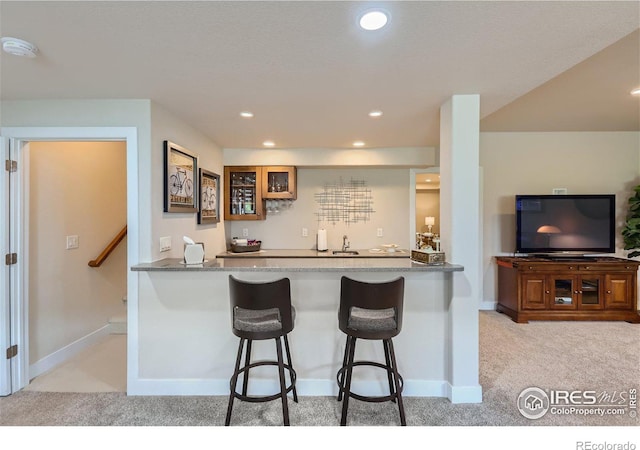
10,259
11,166
12,351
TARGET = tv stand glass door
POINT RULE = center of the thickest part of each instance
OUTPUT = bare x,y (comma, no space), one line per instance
576,292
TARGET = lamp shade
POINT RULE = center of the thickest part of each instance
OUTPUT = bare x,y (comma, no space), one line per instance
549,229
429,220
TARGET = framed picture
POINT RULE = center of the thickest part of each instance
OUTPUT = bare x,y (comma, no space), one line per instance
209,195
180,177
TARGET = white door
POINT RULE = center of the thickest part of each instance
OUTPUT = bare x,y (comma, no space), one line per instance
12,357
5,306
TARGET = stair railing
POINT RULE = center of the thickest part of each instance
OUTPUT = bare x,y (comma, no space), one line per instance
109,248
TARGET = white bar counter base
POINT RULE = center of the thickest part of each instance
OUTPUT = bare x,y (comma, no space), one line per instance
185,345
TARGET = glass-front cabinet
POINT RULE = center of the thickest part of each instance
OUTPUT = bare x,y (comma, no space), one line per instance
279,182
243,193
576,292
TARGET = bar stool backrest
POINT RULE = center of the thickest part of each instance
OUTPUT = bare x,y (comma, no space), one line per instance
262,296
371,296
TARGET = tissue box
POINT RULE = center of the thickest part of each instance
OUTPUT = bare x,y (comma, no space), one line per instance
435,258
194,253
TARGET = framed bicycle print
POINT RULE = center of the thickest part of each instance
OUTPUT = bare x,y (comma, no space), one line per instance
209,195
180,177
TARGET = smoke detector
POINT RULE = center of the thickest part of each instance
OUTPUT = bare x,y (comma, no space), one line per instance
18,47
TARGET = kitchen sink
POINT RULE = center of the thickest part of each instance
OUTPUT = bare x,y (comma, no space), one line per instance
345,252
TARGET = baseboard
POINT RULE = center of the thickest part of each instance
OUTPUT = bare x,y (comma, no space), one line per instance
464,394
305,388
66,353
488,306
118,325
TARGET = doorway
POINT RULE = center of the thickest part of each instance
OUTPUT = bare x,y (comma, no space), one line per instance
424,201
77,204
15,373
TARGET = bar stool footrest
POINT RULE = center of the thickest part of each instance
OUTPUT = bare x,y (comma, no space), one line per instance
366,398
262,398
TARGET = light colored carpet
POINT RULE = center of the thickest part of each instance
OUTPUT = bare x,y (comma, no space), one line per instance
599,356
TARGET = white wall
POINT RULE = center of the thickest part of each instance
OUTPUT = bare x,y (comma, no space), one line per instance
390,192
76,188
166,126
152,222
154,124
326,157
535,163
96,113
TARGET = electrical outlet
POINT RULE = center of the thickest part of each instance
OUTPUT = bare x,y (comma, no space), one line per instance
379,233
245,232
305,232
165,243
72,242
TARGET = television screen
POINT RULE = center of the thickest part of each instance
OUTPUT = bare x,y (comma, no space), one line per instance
565,223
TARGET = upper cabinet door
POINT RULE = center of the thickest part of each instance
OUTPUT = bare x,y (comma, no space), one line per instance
279,182
242,193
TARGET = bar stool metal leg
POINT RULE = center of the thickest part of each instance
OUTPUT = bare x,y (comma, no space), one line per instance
403,420
341,378
283,385
351,343
247,363
234,382
286,347
392,391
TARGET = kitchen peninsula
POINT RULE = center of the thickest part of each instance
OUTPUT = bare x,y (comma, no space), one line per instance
191,314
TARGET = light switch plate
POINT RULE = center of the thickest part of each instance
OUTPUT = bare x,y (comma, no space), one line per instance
165,243
379,233
72,242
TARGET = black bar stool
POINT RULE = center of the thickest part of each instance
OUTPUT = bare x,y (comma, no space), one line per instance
370,311
261,311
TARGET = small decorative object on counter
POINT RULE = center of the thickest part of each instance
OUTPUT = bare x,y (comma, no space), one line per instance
245,245
428,256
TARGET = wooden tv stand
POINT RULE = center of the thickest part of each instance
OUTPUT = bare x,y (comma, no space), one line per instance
537,288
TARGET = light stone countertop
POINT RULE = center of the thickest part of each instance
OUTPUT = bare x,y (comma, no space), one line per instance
297,264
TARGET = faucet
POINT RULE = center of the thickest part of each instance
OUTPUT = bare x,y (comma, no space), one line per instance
345,243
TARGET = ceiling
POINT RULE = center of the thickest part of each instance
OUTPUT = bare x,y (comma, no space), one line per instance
310,75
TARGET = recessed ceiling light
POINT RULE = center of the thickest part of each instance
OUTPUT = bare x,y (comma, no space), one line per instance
268,143
358,144
18,47
428,180
636,91
373,20
376,113
247,114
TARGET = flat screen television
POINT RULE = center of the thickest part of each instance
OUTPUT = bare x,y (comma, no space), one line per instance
565,225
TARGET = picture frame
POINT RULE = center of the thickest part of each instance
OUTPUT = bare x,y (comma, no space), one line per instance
180,178
209,195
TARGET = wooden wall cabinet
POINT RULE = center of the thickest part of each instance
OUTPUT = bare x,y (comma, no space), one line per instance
243,193
246,188
279,182
535,288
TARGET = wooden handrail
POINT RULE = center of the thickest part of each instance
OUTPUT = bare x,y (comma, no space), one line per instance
108,249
